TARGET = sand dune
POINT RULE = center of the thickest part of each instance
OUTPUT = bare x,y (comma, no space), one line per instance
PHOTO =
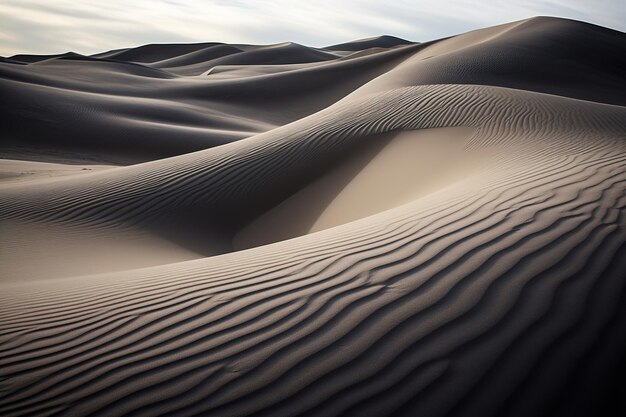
155,52
374,228
132,111
384,41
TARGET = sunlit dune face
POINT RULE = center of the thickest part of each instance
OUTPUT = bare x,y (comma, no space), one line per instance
388,171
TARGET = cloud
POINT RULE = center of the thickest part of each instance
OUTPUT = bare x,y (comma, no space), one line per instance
90,26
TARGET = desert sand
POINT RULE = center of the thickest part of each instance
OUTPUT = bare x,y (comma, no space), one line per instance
375,228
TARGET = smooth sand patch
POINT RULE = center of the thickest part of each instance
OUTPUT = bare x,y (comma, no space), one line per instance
390,170
14,170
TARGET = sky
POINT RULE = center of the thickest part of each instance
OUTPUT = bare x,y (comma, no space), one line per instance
90,26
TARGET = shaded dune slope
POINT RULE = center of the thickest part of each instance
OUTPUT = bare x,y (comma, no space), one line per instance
384,41
498,292
132,111
201,61
154,52
283,53
195,62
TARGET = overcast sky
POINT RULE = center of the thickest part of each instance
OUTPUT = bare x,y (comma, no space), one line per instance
90,26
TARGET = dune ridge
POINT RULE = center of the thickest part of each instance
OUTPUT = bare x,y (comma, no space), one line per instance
496,289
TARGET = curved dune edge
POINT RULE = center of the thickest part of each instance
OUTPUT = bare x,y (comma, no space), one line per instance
496,288
392,170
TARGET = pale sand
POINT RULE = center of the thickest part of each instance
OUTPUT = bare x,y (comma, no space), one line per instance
368,182
377,228
12,170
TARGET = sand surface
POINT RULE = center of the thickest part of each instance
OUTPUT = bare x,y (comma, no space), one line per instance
375,228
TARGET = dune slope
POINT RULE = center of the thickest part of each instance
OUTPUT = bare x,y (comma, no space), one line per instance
435,235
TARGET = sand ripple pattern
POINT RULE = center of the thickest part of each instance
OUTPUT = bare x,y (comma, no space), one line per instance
466,293
501,295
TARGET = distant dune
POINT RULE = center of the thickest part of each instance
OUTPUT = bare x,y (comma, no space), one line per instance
375,228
